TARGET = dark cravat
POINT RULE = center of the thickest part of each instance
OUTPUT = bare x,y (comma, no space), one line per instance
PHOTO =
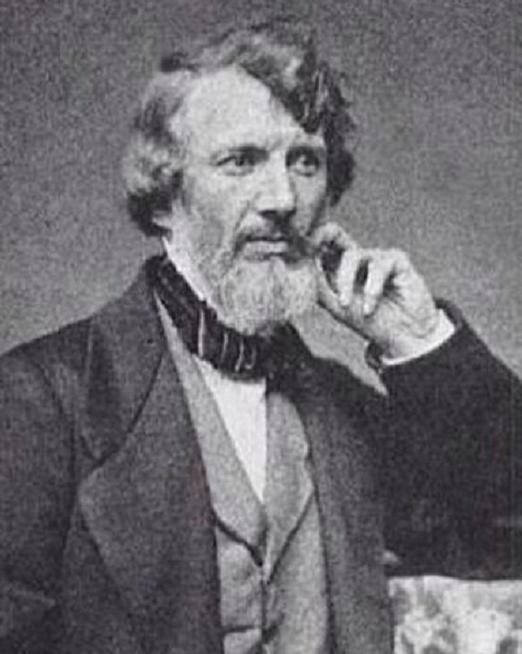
240,355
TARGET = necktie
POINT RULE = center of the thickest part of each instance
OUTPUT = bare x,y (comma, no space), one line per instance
241,355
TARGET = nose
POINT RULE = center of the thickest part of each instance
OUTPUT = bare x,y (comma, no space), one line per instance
277,198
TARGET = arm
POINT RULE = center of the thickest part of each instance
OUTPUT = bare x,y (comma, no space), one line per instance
455,451
35,497
450,460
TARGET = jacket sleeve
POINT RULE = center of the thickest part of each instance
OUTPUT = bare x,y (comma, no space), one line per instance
452,460
35,498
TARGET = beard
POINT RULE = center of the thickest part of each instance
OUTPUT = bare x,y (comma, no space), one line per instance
255,295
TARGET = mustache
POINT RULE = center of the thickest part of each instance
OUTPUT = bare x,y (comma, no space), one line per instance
300,245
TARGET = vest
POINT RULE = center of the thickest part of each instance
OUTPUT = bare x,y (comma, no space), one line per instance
270,556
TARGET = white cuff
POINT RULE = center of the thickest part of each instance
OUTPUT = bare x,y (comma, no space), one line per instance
444,330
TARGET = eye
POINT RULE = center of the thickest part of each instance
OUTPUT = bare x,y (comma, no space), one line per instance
240,162
305,161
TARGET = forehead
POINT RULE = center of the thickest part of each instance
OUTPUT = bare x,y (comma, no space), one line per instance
228,108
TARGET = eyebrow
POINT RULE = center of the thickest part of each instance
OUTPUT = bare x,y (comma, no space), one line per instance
299,144
241,145
232,148
314,147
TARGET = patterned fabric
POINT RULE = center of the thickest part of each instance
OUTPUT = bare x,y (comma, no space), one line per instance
247,356
441,615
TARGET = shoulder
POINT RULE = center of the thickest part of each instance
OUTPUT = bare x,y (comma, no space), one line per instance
65,346
56,356
71,348
39,380
89,363
56,359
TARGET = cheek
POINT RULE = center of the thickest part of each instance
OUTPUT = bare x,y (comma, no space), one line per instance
215,212
312,203
227,199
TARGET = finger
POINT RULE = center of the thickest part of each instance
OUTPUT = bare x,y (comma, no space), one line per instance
384,268
327,294
403,268
351,267
381,268
330,234
331,244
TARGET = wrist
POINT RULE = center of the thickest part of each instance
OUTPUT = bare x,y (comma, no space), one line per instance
408,347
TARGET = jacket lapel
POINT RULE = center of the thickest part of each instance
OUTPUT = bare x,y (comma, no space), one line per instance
349,515
289,487
147,505
234,501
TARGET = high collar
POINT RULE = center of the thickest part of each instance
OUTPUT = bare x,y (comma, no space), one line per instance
188,268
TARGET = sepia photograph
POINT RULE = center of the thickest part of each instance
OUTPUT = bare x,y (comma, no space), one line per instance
260,346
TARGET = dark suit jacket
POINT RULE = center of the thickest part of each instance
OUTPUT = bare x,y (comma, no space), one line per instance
106,528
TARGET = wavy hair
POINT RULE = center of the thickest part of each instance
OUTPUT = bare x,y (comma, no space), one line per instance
280,54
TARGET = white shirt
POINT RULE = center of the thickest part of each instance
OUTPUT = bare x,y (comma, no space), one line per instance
242,404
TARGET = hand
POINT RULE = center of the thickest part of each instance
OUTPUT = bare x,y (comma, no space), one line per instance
378,293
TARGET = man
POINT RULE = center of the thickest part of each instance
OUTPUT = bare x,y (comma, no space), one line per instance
178,473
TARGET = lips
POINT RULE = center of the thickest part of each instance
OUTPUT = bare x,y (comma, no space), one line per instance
266,246
264,243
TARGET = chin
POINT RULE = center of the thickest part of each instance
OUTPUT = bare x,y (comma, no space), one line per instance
254,296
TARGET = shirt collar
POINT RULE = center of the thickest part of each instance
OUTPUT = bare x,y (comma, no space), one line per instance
186,266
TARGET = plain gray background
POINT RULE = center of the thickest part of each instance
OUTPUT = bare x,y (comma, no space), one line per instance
438,88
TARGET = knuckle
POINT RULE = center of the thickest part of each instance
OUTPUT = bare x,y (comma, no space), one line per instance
400,256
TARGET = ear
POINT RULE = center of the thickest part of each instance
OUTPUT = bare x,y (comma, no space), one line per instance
176,222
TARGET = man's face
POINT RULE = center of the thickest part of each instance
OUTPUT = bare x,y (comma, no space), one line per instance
254,188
